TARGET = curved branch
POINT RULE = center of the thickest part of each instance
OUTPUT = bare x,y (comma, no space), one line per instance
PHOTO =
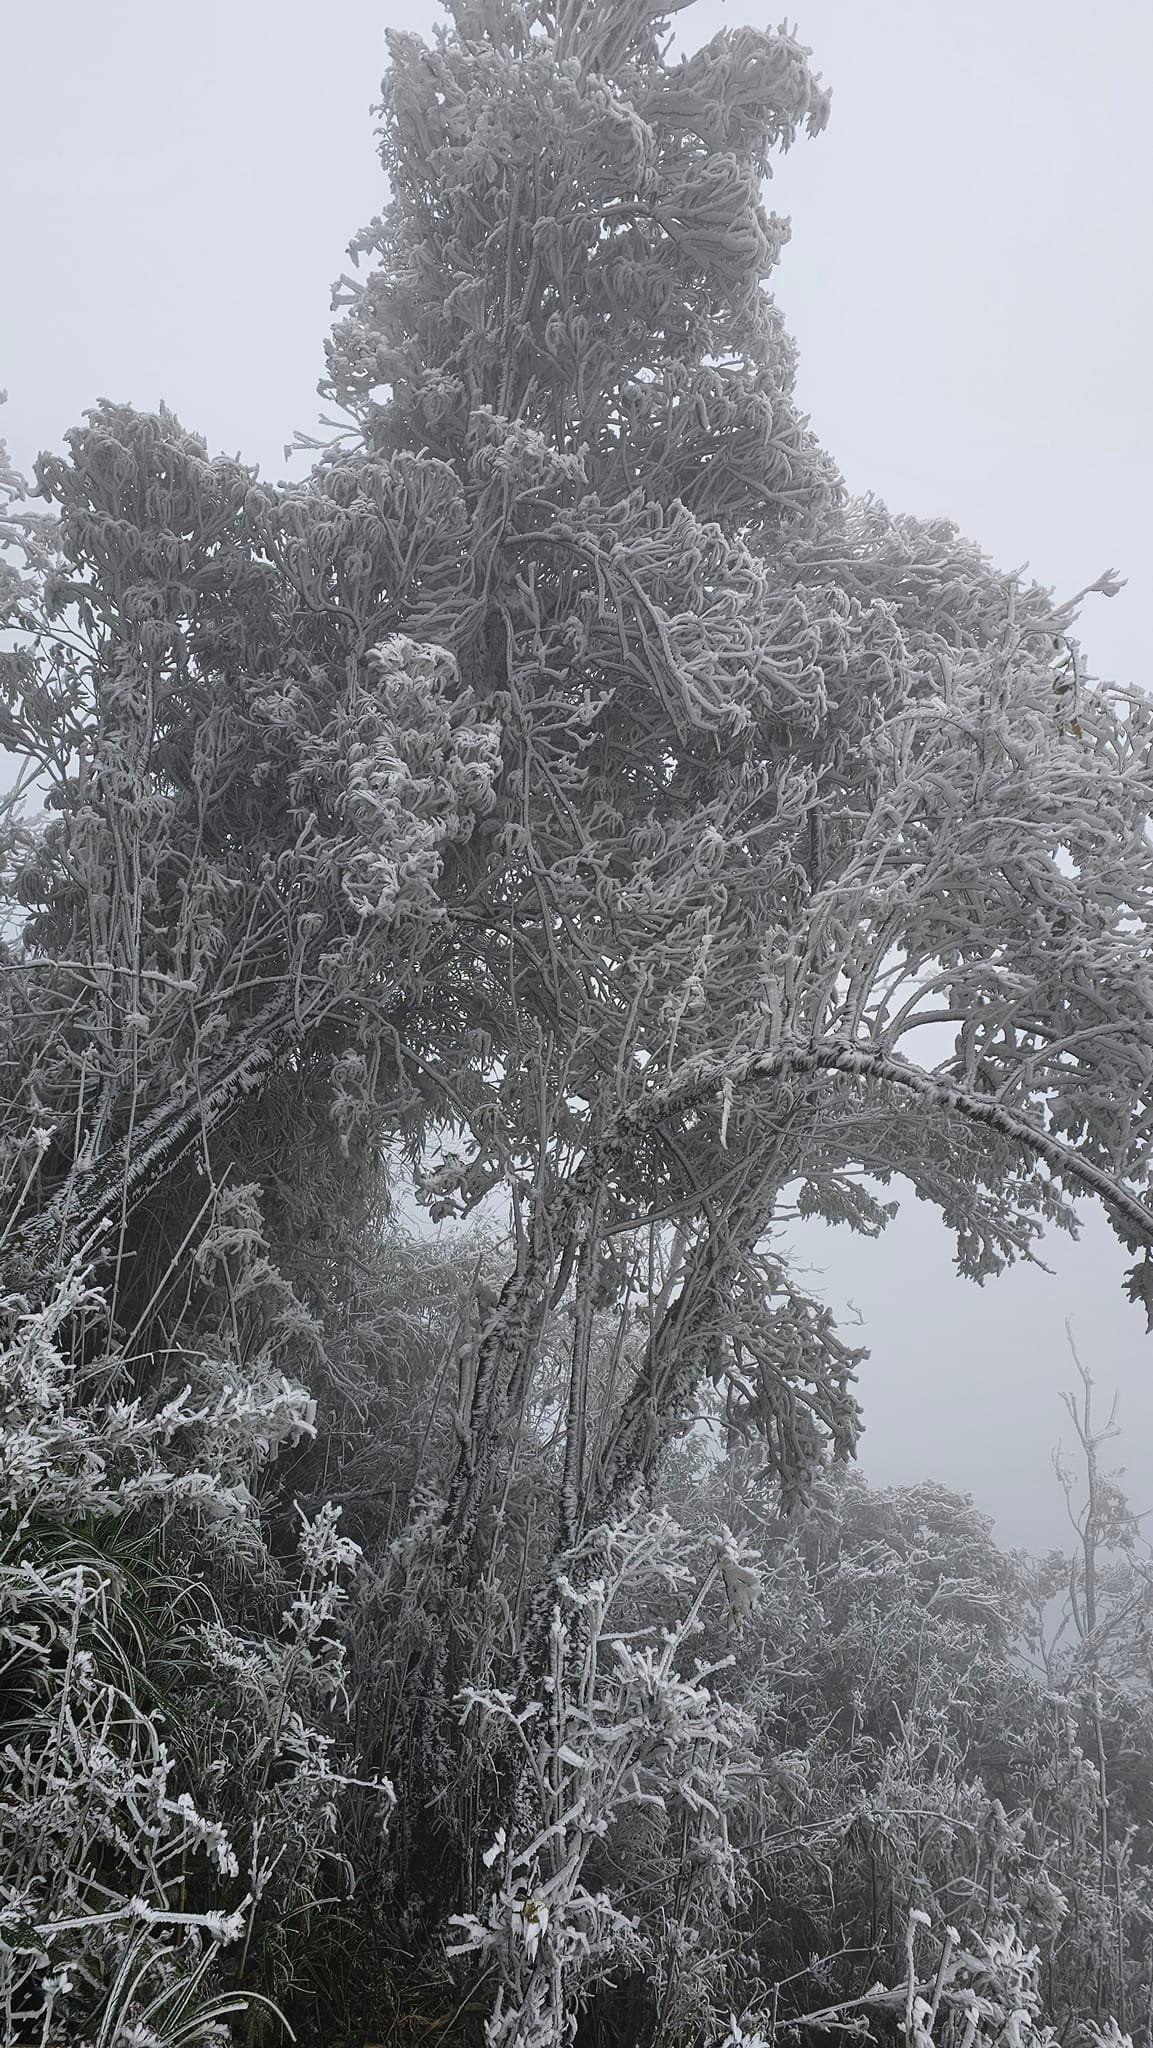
507,1324
868,1063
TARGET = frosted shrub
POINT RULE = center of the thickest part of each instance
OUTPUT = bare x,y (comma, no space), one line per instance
628,1751
969,1991
113,1872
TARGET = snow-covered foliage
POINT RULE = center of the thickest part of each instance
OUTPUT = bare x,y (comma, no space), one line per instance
163,1769
564,809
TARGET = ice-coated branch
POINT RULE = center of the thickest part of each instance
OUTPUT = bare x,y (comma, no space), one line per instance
868,1063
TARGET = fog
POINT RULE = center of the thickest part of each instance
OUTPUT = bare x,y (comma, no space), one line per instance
968,282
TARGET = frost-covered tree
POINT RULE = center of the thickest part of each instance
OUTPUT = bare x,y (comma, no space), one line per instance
781,781
567,799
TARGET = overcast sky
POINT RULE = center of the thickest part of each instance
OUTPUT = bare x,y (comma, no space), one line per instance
968,281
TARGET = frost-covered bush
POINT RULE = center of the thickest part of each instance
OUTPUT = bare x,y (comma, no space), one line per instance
163,1774
961,1991
908,1757
633,1756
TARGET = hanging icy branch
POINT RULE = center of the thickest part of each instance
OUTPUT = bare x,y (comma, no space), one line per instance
1133,1216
